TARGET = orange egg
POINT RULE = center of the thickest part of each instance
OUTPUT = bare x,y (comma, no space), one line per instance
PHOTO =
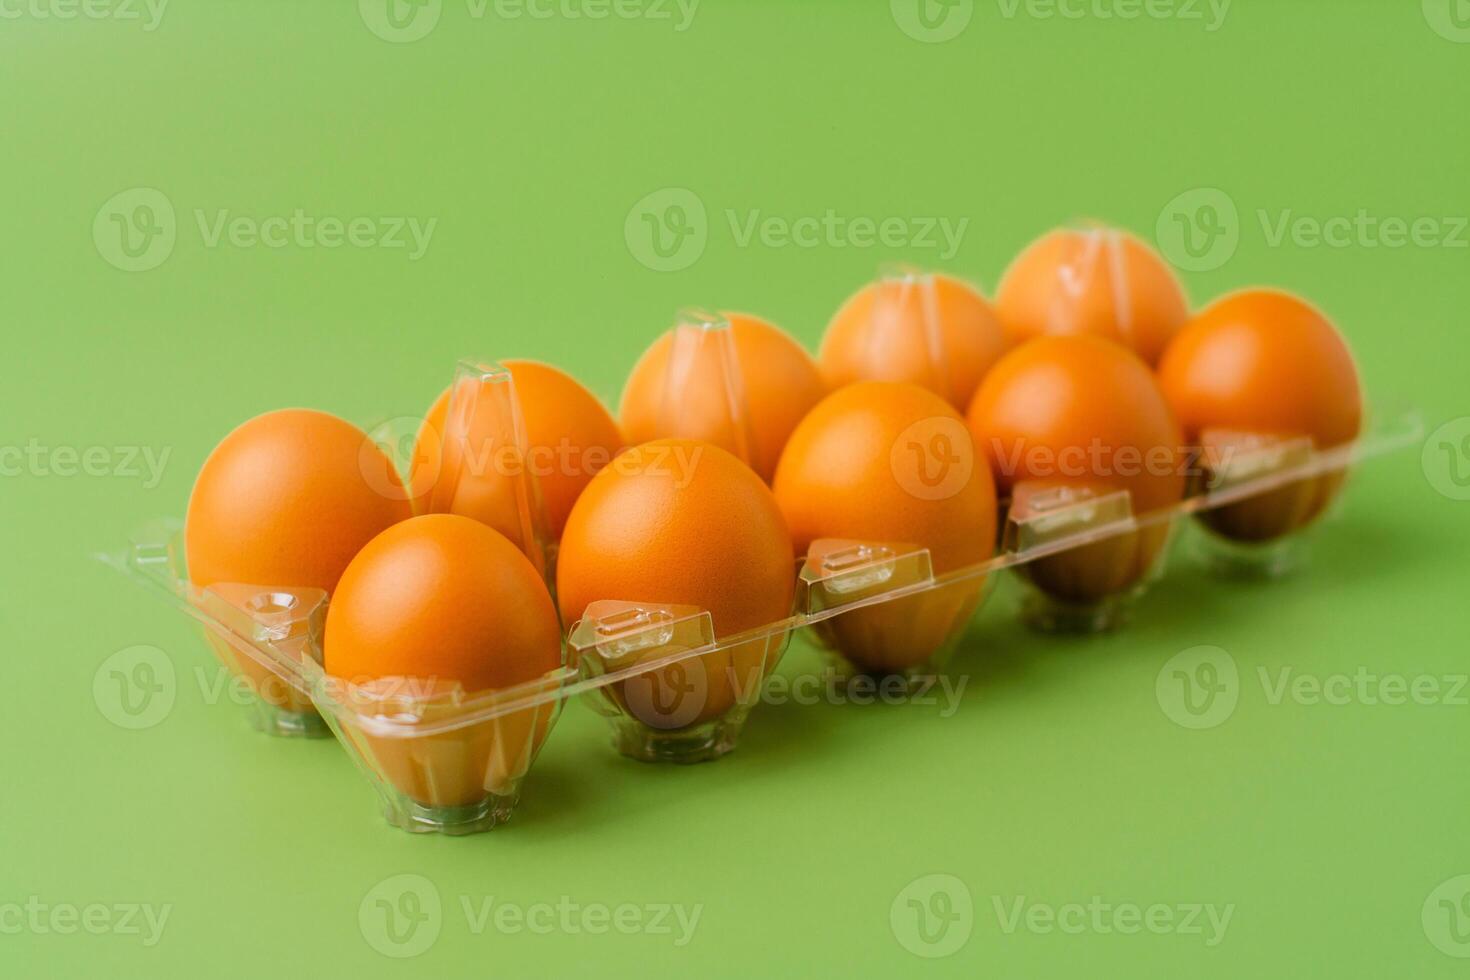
569,437
1096,281
888,463
1079,413
743,388
933,330
444,597
284,502
434,602
1263,364
682,522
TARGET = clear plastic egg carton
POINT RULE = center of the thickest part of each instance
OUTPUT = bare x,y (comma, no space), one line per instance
673,688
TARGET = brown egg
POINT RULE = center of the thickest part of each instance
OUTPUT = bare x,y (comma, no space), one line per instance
892,464
1096,281
283,503
1079,414
1261,368
930,330
733,380
677,522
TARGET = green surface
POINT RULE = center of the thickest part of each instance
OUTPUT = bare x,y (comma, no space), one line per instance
1327,828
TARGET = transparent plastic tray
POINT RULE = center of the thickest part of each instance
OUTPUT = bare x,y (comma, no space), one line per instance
446,760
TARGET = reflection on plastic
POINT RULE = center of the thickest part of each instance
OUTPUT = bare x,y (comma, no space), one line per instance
686,693
437,759
478,466
1231,459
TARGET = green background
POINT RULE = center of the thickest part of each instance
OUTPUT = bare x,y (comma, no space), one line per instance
529,140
